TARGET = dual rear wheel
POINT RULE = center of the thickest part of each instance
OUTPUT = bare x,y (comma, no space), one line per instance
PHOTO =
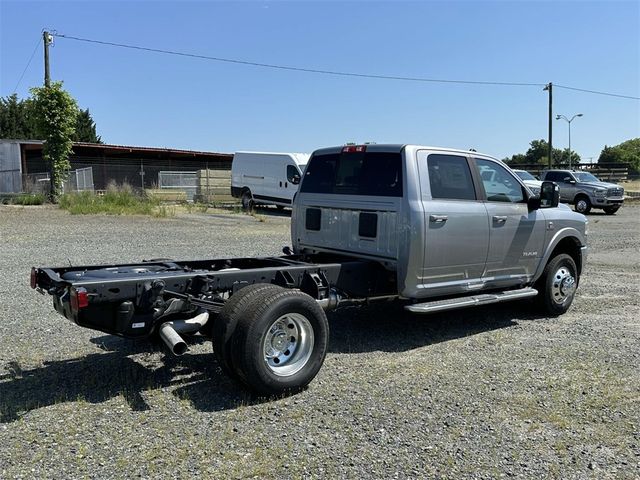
271,339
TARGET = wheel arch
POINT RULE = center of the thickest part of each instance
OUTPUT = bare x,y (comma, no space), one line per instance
567,240
580,194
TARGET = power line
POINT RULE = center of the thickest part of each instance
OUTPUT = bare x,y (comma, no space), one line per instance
28,63
333,72
596,92
300,69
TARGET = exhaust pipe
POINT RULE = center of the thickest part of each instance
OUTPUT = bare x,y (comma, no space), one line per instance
170,332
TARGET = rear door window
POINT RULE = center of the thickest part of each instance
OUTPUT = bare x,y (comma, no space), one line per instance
358,173
450,177
557,177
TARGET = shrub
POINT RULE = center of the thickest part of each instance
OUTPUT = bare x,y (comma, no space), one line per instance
117,200
29,199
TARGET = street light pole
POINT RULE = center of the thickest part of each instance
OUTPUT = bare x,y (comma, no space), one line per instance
558,117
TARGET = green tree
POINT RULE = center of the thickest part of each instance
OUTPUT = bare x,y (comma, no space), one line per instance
18,121
516,159
538,154
16,118
56,114
627,152
86,128
564,157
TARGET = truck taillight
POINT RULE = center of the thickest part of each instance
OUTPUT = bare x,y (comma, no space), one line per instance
354,149
34,277
79,298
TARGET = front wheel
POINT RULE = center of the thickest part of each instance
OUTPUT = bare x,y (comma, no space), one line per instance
280,342
610,210
583,204
557,285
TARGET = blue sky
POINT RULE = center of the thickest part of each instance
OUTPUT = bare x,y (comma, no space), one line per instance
143,98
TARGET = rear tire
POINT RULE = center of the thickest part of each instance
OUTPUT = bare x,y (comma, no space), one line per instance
225,323
247,201
280,342
611,210
557,285
582,204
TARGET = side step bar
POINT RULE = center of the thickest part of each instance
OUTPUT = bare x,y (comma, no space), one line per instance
471,301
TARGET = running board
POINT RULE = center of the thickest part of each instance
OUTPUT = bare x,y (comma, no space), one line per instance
471,301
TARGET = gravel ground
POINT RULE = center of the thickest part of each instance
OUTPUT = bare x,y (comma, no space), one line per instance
485,393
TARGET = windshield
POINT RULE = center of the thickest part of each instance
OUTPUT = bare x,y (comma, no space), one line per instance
586,177
524,175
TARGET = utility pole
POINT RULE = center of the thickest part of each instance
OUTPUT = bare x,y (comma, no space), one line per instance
549,88
47,38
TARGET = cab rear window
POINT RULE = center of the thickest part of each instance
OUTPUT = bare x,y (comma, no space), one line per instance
359,173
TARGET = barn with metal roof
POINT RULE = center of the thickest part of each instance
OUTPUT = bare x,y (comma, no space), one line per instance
21,162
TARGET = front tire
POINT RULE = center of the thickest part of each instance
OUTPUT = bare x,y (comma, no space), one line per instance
582,204
280,342
557,285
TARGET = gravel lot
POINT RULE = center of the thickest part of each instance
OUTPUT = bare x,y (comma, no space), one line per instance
485,393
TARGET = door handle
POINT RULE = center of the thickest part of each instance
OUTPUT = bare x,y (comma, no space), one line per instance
499,218
438,218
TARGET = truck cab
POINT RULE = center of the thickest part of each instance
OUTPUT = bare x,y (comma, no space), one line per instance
448,222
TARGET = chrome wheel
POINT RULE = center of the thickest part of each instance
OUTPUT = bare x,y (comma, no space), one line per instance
288,344
563,286
582,205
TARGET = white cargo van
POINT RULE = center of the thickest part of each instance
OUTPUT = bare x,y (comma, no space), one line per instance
266,178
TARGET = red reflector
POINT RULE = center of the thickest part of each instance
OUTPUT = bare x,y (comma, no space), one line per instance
34,277
354,149
79,298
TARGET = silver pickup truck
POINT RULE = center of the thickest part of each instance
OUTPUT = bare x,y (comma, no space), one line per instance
586,191
434,229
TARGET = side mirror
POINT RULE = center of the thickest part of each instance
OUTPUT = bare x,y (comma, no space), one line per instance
533,203
549,195
568,180
295,179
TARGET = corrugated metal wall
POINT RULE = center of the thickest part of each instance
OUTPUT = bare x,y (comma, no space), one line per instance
10,169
